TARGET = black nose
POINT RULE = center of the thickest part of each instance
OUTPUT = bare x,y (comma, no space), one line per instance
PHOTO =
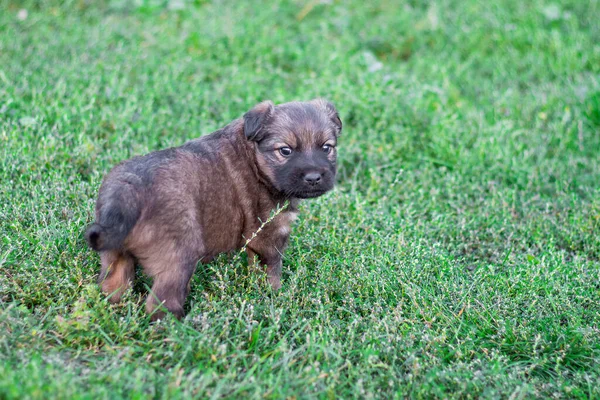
312,178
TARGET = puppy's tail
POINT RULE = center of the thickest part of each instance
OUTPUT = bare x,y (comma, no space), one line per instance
116,218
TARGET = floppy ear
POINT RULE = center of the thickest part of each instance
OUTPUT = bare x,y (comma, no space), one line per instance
335,117
331,112
255,119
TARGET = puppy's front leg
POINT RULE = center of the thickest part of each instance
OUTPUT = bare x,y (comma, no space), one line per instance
274,273
272,263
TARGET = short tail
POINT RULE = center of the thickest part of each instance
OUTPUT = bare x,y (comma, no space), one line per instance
116,218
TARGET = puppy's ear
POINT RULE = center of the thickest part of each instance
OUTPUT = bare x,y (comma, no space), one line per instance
331,111
255,120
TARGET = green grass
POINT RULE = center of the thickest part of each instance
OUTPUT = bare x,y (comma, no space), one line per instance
459,255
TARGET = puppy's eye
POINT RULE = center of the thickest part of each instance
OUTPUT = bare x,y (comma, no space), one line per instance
327,148
285,151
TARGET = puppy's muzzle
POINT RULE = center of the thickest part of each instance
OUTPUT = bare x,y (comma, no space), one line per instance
313,178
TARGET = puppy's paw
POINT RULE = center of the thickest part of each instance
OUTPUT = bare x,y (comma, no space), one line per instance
275,282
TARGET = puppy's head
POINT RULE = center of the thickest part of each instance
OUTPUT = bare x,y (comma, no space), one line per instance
296,145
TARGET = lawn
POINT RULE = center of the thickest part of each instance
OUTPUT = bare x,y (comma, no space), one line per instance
458,256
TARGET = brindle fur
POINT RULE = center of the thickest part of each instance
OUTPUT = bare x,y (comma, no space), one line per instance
172,208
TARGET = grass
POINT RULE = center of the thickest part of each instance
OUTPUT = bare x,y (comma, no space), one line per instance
458,257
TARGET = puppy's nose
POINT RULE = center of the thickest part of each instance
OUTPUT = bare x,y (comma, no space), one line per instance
312,178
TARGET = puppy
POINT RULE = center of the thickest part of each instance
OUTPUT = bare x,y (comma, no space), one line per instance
172,208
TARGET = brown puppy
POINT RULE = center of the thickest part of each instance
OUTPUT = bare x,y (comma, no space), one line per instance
172,208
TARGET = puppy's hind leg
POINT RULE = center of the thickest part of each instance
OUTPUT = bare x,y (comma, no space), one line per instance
170,288
116,274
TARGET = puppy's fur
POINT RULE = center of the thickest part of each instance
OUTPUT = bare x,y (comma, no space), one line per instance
172,208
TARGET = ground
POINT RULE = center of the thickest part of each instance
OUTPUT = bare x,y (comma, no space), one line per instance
459,255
